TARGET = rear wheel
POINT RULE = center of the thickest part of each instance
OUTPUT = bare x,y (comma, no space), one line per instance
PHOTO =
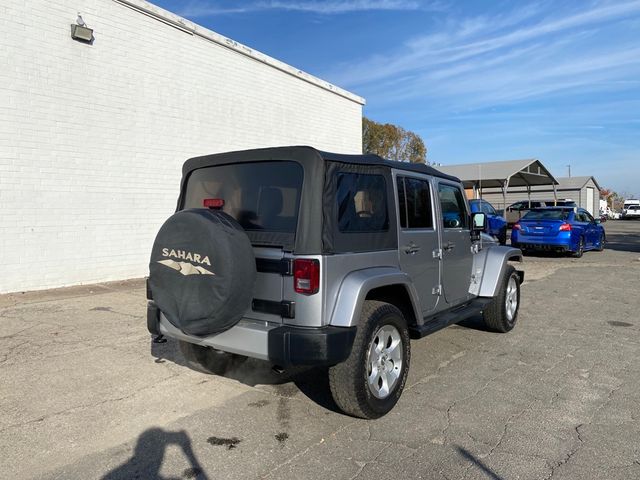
601,242
208,359
369,383
501,315
580,250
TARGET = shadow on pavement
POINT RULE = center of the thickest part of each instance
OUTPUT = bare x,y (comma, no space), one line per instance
313,382
469,456
149,454
474,323
626,242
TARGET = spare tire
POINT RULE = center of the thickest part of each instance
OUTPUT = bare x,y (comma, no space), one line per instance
202,271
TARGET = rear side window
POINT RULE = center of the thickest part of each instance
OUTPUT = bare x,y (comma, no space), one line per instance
261,196
454,212
362,203
547,214
414,203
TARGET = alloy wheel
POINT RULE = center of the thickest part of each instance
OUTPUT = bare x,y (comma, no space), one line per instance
511,299
384,361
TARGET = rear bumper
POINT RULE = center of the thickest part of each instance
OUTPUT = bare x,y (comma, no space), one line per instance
281,345
310,346
560,242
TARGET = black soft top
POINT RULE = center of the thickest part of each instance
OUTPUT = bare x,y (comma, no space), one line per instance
305,154
317,231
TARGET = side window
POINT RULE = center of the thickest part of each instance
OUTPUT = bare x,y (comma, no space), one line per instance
588,217
402,202
454,212
416,204
362,203
488,209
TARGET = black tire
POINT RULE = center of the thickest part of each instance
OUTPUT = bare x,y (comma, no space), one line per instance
349,380
603,240
497,316
578,253
202,271
502,237
522,249
207,359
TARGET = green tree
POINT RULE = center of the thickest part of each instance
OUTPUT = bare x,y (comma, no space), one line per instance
392,142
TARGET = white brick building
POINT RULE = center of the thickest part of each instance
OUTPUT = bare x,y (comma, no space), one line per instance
92,137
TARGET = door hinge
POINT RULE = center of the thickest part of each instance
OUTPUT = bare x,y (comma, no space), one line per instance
437,290
437,253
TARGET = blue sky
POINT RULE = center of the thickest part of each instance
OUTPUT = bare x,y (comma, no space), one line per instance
478,80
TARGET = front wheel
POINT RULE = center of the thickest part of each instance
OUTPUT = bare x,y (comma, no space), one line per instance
370,381
501,314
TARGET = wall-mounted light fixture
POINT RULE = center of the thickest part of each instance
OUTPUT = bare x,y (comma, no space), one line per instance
81,32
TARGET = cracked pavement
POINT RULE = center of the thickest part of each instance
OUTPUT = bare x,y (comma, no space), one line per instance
85,394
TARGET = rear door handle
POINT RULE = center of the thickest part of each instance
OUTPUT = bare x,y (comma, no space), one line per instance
411,249
448,246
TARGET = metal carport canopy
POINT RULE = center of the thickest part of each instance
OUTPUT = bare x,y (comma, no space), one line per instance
509,173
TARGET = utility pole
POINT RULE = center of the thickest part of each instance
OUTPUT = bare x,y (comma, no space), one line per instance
569,167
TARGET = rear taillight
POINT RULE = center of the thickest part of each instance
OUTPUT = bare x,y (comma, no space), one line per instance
565,227
306,276
517,226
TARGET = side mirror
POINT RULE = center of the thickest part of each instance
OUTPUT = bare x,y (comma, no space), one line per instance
597,220
478,222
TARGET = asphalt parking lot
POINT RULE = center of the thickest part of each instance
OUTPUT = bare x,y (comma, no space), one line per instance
85,394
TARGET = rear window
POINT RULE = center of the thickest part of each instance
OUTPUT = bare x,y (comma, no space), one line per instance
561,203
261,196
547,214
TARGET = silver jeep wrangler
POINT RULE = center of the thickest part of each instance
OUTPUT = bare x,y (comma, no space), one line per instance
303,257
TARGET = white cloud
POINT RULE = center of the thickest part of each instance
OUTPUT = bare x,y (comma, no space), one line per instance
485,60
329,7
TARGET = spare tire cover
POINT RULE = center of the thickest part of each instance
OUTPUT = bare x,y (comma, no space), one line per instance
202,271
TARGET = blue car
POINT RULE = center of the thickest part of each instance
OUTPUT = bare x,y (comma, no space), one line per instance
564,229
496,224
